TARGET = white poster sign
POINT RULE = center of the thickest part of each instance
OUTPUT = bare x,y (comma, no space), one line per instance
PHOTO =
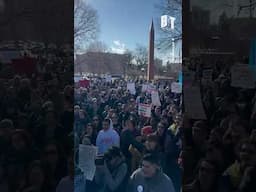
144,110
176,87
151,88
87,155
193,103
131,88
144,88
155,98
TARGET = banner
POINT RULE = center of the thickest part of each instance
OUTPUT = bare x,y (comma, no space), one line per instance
144,110
131,88
176,87
193,103
84,83
242,77
155,99
87,156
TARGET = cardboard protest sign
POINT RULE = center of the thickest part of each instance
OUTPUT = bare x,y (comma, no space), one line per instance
176,87
151,88
193,103
155,98
144,110
242,77
131,88
84,83
144,88
87,155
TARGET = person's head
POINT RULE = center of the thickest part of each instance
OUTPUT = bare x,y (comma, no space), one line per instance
130,124
20,140
114,118
161,129
239,129
36,174
207,175
150,165
96,121
247,153
152,143
113,157
106,124
51,152
6,127
158,111
89,129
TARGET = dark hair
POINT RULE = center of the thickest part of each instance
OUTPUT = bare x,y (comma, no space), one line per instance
113,152
107,120
152,158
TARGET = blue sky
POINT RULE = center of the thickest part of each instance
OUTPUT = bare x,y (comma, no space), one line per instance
124,24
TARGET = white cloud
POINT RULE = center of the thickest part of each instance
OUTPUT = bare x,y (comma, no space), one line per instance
118,47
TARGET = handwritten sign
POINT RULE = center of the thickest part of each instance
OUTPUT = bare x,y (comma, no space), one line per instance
155,98
193,103
242,77
87,155
151,88
131,88
176,87
144,88
144,110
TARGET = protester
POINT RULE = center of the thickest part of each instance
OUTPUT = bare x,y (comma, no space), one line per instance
112,175
150,177
107,137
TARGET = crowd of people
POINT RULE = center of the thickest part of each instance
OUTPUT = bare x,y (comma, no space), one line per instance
135,153
218,152
36,124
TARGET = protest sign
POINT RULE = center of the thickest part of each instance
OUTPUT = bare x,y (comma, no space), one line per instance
131,88
155,98
84,83
144,110
176,87
193,103
151,88
242,77
87,155
144,88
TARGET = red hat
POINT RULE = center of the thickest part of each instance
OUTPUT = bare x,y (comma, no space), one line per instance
147,130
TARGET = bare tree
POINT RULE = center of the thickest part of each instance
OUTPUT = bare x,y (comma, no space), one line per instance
86,27
172,8
97,46
141,56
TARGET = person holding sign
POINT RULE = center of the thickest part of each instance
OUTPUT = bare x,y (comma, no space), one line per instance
112,175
